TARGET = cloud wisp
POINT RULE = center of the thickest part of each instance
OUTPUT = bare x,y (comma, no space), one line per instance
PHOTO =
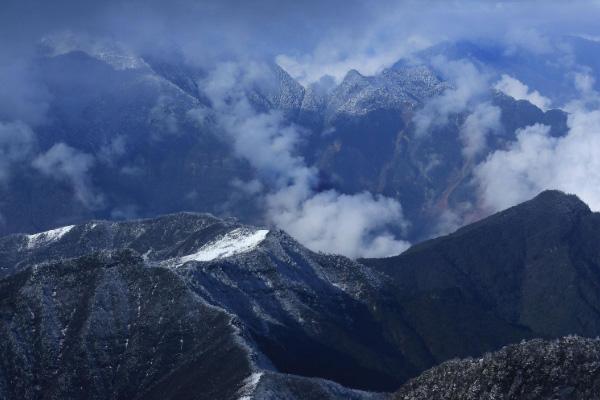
65,163
469,97
16,146
514,88
469,87
538,161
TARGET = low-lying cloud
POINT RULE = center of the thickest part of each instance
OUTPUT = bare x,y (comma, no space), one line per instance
478,126
538,161
469,86
16,146
514,88
70,165
353,225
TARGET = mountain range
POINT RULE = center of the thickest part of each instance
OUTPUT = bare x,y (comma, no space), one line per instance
193,306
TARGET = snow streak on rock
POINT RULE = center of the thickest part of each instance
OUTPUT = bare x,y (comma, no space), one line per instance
42,238
249,387
240,240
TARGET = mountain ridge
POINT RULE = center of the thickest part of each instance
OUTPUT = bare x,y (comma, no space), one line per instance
369,324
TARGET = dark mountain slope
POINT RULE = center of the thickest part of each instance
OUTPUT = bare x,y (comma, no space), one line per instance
530,271
105,326
563,369
102,327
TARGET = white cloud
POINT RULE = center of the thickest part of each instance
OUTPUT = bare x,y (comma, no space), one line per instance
514,88
65,163
468,86
514,175
538,161
353,225
588,98
584,83
483,121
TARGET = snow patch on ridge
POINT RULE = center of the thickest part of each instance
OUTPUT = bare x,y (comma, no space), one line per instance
50,236
114,54
238,241
250,384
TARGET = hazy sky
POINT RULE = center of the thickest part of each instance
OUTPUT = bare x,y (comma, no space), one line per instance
317,35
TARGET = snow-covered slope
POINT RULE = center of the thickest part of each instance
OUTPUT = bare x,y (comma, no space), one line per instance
38,239
238,241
